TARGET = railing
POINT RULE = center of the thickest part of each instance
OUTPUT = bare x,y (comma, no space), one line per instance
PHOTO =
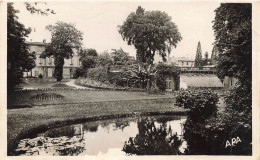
198,69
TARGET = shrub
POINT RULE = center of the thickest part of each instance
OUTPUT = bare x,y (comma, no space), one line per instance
40,76
240,99
98,74
201,103
78,73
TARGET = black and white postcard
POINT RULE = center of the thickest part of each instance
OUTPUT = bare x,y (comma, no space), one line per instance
130,79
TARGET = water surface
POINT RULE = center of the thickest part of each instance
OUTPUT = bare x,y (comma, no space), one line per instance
136,135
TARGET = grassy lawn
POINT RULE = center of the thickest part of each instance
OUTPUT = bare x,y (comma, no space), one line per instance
80,96
27,121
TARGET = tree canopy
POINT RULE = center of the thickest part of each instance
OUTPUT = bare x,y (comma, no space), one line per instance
121,57
233,38
215,55
19,59
65,38
233,31
32,8
88,58
150,32
87,52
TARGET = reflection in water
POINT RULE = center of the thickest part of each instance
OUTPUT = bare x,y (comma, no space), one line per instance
152,140
109,137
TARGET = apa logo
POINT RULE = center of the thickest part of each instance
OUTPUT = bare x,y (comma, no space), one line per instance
234,141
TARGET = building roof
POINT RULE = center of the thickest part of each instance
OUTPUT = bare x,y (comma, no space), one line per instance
210,66
36,43
197,80
184,59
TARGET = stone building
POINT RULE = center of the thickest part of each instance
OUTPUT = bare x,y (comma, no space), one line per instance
45,66
181,61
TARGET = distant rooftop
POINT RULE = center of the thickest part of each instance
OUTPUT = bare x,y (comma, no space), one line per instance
36,43
210,66
184,59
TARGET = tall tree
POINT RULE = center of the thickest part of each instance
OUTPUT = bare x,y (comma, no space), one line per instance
214,55
233,38
198,58
233,32
206,60
65,37
151,32
19,59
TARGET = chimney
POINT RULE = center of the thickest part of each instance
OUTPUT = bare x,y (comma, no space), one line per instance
44,41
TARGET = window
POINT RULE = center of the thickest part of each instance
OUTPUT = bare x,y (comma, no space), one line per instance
40,60
50,60
187,63
71,61
36,73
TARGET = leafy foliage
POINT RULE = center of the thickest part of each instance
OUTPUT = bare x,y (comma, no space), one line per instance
99,73
79,72
151,32
18,57
126,75
32,8
215,55
87,52
201,103
198,58
233,32
206,60
104,60
240,99
163,71
122,58
88,58
65,37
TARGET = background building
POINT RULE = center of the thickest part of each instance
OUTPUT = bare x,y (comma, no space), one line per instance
45,66
181,61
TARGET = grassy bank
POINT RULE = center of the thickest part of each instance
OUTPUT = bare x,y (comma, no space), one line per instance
28,121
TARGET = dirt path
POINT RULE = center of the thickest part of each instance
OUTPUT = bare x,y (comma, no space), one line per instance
71,83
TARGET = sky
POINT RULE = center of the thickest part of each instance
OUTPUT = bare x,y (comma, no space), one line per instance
99,23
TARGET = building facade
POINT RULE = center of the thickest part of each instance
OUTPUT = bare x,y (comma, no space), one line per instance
45,66
185,62
181,61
